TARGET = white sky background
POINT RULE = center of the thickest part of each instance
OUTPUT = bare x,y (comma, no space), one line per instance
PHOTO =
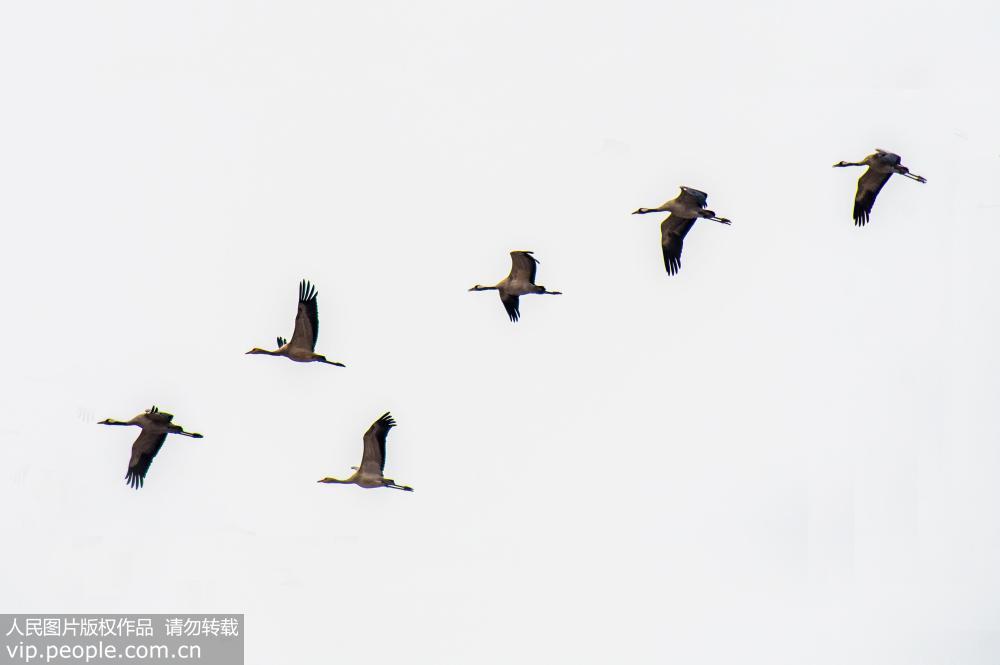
786,454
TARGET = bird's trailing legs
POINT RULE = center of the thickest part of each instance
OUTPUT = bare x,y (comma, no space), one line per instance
709,214
177,429
913,176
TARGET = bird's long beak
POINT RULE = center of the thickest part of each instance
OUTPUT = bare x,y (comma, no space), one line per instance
914,176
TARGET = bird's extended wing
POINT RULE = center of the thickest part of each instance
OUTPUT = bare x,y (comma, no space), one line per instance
159,417
512,305
869,185
672,232
306,319
143,451
692,197
523,267
373,459
886,157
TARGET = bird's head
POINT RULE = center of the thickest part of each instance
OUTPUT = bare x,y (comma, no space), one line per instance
640,211
255,350
478,287
840,163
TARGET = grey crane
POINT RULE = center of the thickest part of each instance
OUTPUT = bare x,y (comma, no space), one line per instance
156,425
302,346
520,282
881,165
685,210
369,474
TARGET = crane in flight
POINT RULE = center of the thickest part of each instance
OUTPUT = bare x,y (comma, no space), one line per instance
881,164
685,210
302,347
369,474
520,282
155,425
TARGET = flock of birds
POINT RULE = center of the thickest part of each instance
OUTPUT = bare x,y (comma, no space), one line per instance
685,209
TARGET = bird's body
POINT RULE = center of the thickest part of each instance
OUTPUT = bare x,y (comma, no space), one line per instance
685,210
881,165
520,282
369,474
155,425
299,354
302,347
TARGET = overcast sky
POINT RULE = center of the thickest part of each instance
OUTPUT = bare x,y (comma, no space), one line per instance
785,454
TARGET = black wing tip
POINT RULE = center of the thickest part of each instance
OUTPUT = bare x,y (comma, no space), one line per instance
513,308
387,420
307,291
861,215
672,264
133,479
